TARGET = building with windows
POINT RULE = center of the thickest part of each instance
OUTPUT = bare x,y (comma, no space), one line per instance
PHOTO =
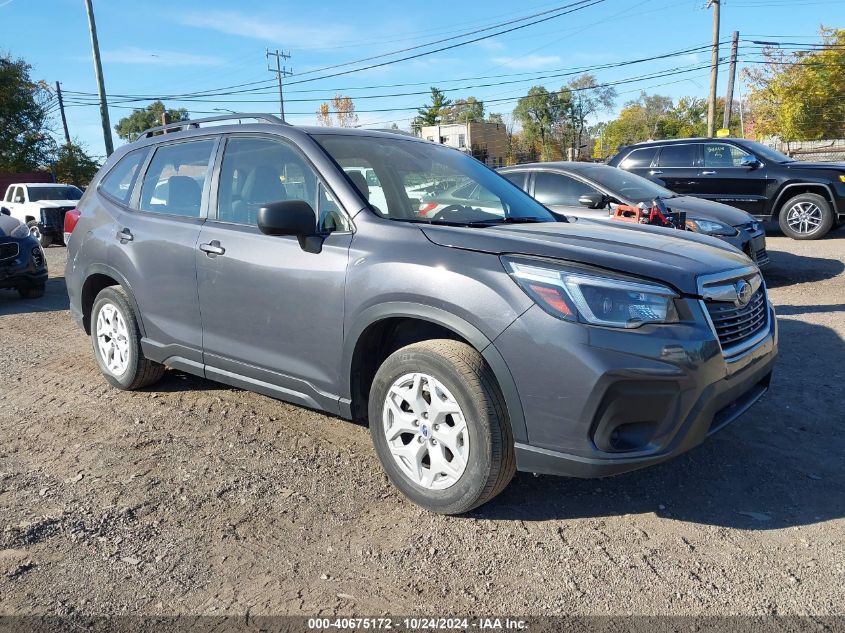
488,142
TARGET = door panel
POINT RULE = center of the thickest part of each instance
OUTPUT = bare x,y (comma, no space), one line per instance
155,247
272,312
678,167
723,179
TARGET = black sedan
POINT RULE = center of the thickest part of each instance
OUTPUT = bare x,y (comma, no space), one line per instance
22,264
593,191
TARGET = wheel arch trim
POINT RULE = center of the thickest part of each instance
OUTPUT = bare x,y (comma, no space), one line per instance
456,324
782,198
105,269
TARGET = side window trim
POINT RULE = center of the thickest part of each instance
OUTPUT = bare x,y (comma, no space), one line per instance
135,199
214,197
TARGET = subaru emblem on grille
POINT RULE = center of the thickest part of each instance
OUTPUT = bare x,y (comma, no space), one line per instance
744,291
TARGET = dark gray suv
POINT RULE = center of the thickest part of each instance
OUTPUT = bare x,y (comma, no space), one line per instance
476,341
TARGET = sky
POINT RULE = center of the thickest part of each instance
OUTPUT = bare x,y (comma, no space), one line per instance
173,50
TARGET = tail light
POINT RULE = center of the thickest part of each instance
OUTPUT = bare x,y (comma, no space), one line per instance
426,208
71,218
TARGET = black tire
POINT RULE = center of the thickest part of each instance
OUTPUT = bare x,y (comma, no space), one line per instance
491,461
140,371
35,291
827,220
44,240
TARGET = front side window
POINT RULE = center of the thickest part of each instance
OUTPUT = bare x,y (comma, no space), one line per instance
19,197
639,158
552,189
625,185
723,155
118,182
10,194
258,171
175,179
419,181
677,156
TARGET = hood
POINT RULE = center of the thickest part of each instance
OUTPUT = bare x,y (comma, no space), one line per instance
7,225
804,164
644,251
52,204
709,210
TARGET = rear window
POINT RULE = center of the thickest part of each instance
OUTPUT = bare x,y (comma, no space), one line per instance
677,156
54,193
118,182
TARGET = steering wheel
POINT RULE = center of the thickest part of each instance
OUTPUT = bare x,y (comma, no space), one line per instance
452,208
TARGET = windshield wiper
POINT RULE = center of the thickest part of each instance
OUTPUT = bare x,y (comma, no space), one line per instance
507,220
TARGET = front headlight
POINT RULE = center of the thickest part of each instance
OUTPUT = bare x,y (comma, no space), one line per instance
571,294
710,227
20,231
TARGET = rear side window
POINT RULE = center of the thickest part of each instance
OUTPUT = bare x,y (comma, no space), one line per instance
175,179
639,158
118,182
677,156
517,178
551,189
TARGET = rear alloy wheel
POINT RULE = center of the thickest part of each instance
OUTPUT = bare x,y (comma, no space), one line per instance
116,339
440,426
35,231
807,216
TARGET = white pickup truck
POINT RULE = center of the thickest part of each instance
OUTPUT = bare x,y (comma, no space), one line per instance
42,207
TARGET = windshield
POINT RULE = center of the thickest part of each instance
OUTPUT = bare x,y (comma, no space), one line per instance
625,184
54,193
767,152
414,181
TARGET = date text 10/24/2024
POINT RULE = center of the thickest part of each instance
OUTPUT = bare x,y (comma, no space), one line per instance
417,624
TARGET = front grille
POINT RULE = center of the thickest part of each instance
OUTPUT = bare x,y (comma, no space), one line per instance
54,217
737,325
8,251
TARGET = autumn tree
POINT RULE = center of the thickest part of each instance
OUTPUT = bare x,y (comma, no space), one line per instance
538,113
129,127
25,142
798,95
586,98
343,109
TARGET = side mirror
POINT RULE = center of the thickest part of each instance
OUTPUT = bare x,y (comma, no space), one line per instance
291,217
19,199
593,200
5,211
749,161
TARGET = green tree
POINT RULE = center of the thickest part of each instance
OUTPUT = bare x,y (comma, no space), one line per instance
469,110
433,113
25,142
74,166
130,126
495,117
798,95
538,113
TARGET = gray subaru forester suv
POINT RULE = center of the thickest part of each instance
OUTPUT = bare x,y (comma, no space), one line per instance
295,262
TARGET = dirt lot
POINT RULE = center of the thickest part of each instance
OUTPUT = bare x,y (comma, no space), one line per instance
192,497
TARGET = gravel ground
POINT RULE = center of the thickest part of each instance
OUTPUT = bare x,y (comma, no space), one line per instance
194,498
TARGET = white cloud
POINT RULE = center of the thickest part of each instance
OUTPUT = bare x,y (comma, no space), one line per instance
528,62
136,55
281,32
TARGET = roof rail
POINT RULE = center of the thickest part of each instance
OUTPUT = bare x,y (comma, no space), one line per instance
195,123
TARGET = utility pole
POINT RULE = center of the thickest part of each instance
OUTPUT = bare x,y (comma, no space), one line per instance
101,88
729,99
714,68
62,110
281,72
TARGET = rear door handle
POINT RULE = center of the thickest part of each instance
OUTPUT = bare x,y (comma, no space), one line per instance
655,172
708,173
212,248
125,235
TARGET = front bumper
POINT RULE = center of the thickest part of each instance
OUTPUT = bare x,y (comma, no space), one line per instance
600,402
27,267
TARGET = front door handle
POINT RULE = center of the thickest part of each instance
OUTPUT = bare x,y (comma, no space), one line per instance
708,173
212,248
125,235
655,172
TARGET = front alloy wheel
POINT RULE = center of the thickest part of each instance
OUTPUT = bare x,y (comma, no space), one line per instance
440,426
807,216
426,431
